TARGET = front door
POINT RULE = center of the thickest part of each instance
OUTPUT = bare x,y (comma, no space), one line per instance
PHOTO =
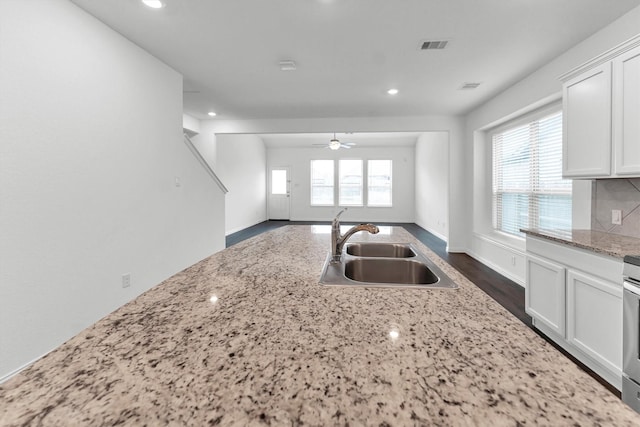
279,200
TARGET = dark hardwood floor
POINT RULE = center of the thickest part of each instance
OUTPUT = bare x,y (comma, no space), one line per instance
503,290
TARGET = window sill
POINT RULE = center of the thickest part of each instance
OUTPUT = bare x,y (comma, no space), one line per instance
504,239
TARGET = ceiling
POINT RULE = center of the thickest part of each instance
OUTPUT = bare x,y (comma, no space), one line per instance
350,52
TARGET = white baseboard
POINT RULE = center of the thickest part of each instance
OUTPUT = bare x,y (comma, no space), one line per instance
438,235
455,250
434,232
16,371
235,230
496,268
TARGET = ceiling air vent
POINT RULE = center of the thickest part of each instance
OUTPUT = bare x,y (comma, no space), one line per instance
434,44
466,86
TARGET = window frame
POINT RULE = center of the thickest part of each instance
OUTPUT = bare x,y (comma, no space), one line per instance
332,186
340,184
533,191
336,184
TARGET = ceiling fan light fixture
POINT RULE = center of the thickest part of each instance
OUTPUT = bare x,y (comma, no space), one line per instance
334,144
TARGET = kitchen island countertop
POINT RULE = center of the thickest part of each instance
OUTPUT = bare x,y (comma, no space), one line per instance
249,337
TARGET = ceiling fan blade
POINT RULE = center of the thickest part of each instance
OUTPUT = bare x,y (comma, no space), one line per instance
344,146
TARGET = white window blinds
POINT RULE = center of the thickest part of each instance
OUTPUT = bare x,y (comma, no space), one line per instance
321,182
528,189
350,182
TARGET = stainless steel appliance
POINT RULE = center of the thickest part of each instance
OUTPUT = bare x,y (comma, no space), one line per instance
631,333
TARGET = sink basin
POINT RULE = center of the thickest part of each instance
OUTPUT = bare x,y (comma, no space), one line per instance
391,270
376,264
387,250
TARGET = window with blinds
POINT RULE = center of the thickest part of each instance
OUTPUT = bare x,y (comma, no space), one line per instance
528,189
350,182
321,182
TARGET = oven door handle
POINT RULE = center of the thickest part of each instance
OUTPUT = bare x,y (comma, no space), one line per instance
631,288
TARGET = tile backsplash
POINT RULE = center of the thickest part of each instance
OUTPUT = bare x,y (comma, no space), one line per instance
622,194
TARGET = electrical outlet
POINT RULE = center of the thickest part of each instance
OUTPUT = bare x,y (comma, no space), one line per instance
616,217
126,280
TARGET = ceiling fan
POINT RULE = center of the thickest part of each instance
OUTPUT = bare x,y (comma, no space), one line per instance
335,144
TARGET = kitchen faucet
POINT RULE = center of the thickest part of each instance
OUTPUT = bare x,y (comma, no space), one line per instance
338,240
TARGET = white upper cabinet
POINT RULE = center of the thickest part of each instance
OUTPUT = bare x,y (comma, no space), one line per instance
586,141
601,106
626,113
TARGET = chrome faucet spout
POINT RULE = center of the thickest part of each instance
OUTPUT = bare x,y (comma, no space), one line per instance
338,240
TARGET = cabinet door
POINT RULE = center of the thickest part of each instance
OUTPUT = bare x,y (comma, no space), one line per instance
586,139
545,293
594,319
626,112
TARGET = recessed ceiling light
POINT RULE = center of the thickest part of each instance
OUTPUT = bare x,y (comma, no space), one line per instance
154,4
392,91
212,114
287,65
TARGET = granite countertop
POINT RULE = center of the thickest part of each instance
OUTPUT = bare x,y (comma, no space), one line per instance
614,245
275,347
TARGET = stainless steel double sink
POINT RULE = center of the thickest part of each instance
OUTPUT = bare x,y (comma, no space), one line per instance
374,264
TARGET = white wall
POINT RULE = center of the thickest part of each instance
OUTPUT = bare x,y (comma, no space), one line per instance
241,163
460,162
190,124
539,88
299,161
432,183
91,144
208,149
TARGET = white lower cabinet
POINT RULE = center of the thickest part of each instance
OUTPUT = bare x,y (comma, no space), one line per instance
576,300
594,318
544,295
